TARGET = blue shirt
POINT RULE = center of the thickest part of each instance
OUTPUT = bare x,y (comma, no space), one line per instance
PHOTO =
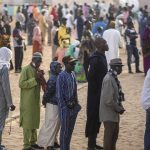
99,24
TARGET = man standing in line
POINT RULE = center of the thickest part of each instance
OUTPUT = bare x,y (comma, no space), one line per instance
111,104
145,101
66,91
96,73
30,81
5,91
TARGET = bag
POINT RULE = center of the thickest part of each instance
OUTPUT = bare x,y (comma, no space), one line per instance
55,40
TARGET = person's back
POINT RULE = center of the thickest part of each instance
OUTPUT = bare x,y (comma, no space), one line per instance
113,38
69,18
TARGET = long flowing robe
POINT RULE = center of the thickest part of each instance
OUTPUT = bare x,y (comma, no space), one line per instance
37,40
5,96
29,99
43,26
96,73
113,39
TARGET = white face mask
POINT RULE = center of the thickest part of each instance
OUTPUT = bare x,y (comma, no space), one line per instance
33,64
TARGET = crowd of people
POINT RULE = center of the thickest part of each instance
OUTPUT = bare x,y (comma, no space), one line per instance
85,42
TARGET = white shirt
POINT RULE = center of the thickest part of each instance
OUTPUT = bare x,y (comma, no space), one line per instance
145,98
113,39
69,22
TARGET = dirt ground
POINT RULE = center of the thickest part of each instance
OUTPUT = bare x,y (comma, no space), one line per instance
132,122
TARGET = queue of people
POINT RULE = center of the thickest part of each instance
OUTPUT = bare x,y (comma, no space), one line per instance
93,57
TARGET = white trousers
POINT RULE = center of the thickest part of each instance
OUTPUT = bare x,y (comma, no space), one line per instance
48,132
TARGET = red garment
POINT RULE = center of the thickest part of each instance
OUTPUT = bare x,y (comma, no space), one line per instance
37,47
54,13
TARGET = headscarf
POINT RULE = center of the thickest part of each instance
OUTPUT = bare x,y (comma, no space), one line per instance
37,57
53,66
76,43
5,57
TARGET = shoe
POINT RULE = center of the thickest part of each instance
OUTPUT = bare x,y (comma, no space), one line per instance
130,72
98,147
29,148
35,146
91,148
17,71
56,145
2,147
50,148
139,71
11,68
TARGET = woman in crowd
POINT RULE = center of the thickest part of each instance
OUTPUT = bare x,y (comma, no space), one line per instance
50,128
37,39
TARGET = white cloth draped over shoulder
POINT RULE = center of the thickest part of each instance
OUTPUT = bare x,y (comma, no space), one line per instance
5,57
5,92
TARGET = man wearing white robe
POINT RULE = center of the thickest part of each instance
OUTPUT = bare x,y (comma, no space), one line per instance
113,39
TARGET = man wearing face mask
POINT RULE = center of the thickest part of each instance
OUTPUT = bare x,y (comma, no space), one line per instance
111,104
66,91
30,81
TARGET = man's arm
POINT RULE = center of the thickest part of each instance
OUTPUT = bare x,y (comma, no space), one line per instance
25,82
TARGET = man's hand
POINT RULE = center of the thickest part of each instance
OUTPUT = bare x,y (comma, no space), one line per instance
122,111
12,107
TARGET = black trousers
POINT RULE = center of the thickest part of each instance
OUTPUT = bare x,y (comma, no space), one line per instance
132,50
110,135
18,57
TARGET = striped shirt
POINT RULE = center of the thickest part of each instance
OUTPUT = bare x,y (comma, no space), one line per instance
66,87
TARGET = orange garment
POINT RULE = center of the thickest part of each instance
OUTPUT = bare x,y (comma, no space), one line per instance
36,13
37,40
37,47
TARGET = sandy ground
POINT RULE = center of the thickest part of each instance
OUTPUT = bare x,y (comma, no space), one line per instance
131,124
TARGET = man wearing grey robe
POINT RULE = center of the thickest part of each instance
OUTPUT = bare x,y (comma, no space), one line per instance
5,92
